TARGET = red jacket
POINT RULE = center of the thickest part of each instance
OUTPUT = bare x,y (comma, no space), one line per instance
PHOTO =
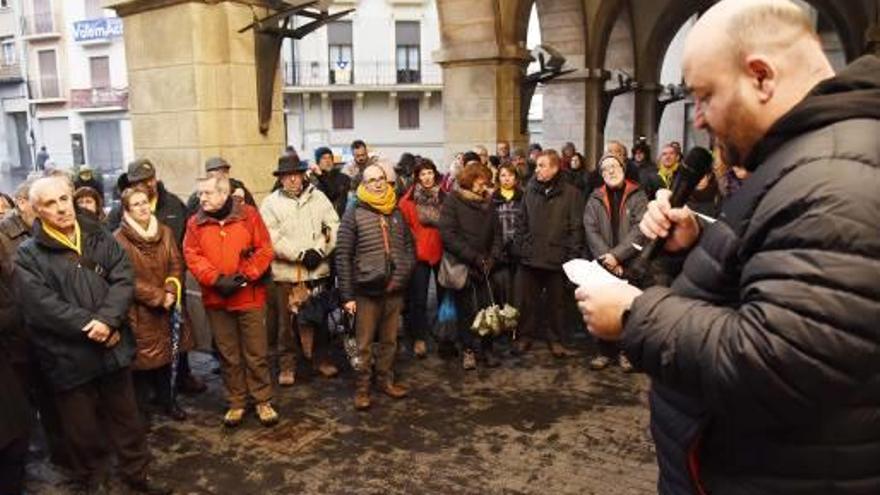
429,247
240,244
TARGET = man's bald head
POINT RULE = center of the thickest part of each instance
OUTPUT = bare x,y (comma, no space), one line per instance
747,63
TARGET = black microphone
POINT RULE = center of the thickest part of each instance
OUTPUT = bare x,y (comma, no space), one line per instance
696,165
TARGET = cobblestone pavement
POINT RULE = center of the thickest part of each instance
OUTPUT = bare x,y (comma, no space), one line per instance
535,425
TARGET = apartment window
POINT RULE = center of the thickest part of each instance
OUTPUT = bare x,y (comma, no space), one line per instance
343,114
409,51
100,70
4,4
43,16
408,113
8,46
341,50
49,87
94,9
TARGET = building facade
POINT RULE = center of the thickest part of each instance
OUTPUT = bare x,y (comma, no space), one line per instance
71,90
367,76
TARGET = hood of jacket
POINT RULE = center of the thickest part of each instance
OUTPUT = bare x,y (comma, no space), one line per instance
854,93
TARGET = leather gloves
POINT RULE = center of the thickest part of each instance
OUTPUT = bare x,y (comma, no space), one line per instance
227,285
312,259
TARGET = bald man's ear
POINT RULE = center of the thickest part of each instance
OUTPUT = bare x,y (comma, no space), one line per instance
763,75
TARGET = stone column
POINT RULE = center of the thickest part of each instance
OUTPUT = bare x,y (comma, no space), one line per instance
595,116
193,90
481,98
647,120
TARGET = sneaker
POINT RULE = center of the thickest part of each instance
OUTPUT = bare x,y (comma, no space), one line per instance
267,414
286,378
600,363
233,418
420,349
469,360
624,363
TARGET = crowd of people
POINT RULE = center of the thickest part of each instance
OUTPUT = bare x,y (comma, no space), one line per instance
94,314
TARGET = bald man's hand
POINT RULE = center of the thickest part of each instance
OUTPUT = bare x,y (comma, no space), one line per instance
679,225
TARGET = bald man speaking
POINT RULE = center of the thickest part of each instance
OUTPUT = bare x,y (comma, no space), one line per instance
765,352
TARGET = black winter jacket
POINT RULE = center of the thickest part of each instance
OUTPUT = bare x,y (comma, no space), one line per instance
360,251
170,211
61,292
765,353
470,229
335,185
552,226
13,342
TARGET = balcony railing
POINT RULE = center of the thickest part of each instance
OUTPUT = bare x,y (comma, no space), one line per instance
94,98
312,74
11,73
40,25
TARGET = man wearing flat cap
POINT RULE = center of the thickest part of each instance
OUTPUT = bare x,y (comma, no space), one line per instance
218,167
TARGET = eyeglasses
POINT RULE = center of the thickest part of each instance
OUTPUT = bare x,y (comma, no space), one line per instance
374,180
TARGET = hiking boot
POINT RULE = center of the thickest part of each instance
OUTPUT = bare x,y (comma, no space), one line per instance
362,393
469,360
420,349
394,390
190,385
327,369
286,378
624,363
146,485
600,363
233,417
267,415
559,351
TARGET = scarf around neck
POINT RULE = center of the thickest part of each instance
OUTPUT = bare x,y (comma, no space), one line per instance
383,203
224,210
148,234
75,245
427,205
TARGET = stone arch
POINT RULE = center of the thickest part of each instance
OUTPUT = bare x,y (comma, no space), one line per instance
850,20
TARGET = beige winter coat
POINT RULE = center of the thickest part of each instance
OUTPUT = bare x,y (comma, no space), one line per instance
297,225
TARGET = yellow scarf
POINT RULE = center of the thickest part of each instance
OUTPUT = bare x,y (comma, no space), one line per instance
153,203
75,245
383,203
507,194
667,174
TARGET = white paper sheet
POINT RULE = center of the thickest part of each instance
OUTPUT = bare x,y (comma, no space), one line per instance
589,274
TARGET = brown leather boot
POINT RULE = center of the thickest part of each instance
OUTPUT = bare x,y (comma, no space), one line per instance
394,390
362,392
327,369
307,340
559,351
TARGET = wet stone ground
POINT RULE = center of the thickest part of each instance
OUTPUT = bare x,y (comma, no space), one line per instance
535,425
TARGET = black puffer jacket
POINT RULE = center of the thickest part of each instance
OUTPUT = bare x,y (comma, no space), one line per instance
552,225
360,251
765,353
470,229
61,292
170,211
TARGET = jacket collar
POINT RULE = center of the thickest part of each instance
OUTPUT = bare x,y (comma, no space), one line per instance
547,189
13,226
499,199
88,228
629,187
235,215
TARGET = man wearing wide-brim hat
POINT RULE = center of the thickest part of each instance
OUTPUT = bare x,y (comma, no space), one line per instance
302,223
